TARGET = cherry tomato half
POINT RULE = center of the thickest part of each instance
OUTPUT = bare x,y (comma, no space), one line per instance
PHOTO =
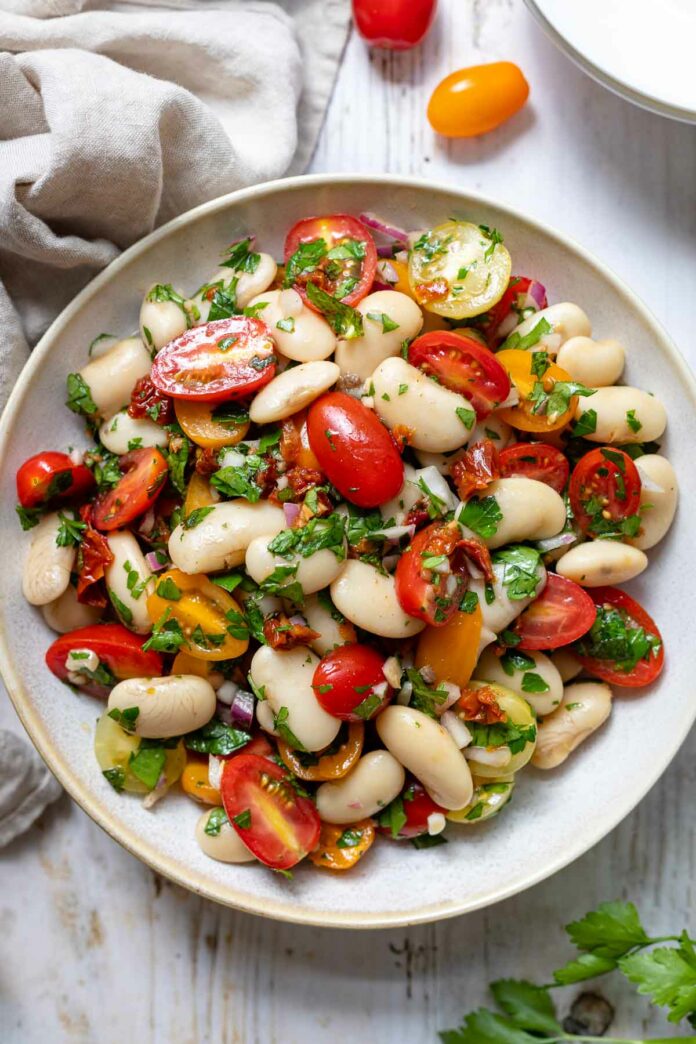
49,476
452,651
418,806
212,426
202,609
430,577
532,413
336,253
226,359
275,823
354,449
396,25
463,365
341,847
334,763
522,296
624,646
145,472
562,613
119,651
345,682
535,460
605,491
477,100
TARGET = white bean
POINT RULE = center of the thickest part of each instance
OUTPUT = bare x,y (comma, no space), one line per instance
585,706
321,617
225,846
568,666
47,567
613,406
375,781
660,490
265,717
308,338
427,750
161,321
502,610
251,284
120,430
531,510
363,355
313,573
565,319
220,540
493,428
67,614
491,668
596,364
407,497
441,461
292,390
129,581
285,678
600,562
368,599
168,706
113,375
403,395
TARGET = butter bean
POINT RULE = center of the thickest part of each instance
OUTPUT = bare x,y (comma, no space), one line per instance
285,678
168,706
375,781
129,581
313,573
362,355
600,562
112,377
121,430
368,599
596,364
612,406
47,567
67,614
292,390
225,846
531,510
308,336
660,490
491,668
585,706
565,319
220,540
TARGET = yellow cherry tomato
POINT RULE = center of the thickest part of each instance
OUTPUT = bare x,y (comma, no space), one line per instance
187,664
332,764
341,847
451,650
489,797
212,424
115,750
402,284
202,610
198,494
517,712
477,100
195,782
519,364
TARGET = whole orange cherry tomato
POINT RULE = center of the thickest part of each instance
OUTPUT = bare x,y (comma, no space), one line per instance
477,100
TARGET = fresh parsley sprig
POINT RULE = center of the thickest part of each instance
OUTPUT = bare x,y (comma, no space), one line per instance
609,938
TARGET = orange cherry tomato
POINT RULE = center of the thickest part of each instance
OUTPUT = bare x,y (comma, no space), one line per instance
212,425
451,650
195,782
186,664
477,100
341,847
203,612
518,364
198,494
327,766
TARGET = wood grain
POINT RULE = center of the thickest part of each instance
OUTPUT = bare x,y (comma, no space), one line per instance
94,947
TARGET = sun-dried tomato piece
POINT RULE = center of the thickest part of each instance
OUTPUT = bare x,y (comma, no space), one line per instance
480,705
476,468
148,401
281,633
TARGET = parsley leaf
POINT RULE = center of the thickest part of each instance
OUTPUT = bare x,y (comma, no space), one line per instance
387,323
216,738
586,424
79,396
521,575
469,602
345,321
239,481
584,966
240,257
502,734
482,516
217,818
532,682
28,517
167,635
615,637
393,818
167,589
327,532
197,516
283,729
526,341
556,402
147,764
609,931
529,1006
667,975
632,421
176,462
423,697
70,531
304,261
466,416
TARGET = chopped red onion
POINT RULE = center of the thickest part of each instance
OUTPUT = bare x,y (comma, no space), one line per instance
377,285
391,231
385,251
537,295
242,709
390,562
554,542
147,522
154,563
298,620
387,272
291,512
158,791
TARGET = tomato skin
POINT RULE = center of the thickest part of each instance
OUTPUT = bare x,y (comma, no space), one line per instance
117,647
226,359
342,673
611,475
418,806
198,422
427,597
145,472
476,100
281,839
645,671
536,460
199,606
463,365
328,766
518,364
333,230
39,473
358,455
395,25
332,856
563,612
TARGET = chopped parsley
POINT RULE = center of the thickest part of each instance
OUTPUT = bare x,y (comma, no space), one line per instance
393,818
318,534
70,531
243,819
494,237
305,260
481,515
240,257
28,517
616,638
176,462
345,321
147,763
167,635
526,341
521,575
467,416
585,425
239,481
469,602
425,698
215,822
123,611
287,324
168,589
556,402
79,396
126,718
350,838
116,777
502,734
282,728
388,324
533,682
197,516
216,738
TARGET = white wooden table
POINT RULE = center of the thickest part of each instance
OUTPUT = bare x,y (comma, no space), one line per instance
93,947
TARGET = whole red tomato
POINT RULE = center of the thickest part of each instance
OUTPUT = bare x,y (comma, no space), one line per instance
396,25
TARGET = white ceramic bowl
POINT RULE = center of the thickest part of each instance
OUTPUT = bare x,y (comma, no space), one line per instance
553,818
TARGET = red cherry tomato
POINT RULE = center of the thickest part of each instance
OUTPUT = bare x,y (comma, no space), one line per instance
500,320
563,612
225,359
396,25
120,652
536,460
345,266
275,823
418,806
423,590
345,681
624,646
605,492
354,449
49,477
476,100
145,472
464,366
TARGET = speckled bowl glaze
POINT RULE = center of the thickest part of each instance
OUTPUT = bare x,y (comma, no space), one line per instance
553,818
